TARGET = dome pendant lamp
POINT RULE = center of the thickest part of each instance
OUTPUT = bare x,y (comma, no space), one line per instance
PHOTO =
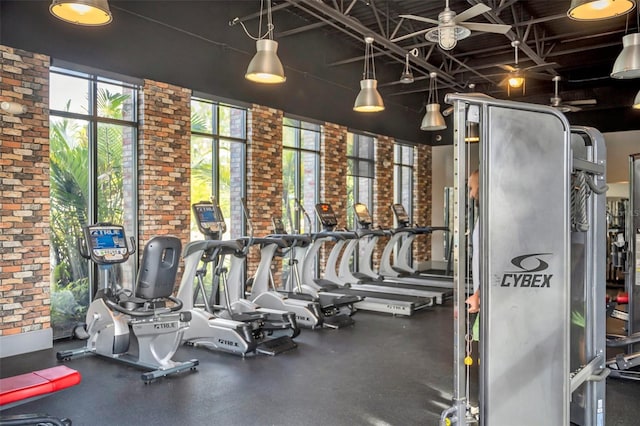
433,119
368,99
265,66
82,12
595,10
627,64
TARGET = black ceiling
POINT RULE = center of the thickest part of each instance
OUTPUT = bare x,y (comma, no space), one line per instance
190,43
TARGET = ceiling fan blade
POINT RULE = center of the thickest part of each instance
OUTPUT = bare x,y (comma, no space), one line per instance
472,12
537,75
540,66
420,18
508,68
406,36
486,28
571,107
582,102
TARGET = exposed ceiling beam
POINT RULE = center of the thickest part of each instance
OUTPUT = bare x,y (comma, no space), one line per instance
380,40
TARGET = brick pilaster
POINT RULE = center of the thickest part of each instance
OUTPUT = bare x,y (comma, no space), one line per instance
422,200
164,161
383,190
25,301
264,172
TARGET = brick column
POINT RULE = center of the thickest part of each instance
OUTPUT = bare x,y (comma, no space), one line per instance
264,172
333,175
164,168
422,200
25,304
383,190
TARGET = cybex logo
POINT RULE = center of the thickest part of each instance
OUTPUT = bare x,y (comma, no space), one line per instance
528,264
303,318
227,342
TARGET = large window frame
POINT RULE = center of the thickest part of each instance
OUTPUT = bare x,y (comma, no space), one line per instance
222,129
100,111
361,163
403,175
301,147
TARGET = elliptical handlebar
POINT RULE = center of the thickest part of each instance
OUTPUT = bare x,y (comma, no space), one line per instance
304,212
177,305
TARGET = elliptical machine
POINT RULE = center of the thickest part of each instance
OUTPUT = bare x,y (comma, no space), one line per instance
137,328
336,308
250,327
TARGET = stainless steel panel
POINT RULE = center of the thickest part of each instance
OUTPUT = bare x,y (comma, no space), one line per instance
525,267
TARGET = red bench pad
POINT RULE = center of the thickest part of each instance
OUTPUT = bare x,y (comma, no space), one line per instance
37,383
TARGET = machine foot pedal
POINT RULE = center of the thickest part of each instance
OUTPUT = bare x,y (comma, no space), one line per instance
338,321
276,346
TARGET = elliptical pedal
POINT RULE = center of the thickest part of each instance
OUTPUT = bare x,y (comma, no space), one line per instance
338,321
276,346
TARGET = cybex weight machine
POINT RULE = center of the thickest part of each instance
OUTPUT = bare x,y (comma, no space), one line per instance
542,267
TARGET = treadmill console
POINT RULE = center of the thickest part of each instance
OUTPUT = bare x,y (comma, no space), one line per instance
362,215
209,219
107,243
326,215
401,215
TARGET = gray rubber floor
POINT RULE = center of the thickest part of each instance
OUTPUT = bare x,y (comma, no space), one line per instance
382,371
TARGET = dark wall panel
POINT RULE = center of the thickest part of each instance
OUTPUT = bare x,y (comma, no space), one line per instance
190,44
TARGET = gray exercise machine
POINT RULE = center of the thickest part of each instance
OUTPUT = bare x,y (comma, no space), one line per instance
377,301
364,278
237,325
625,363
542,267
395,261
142,328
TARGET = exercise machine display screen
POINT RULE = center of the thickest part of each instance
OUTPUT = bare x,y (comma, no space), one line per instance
107,243
209,218
401,214
362,214
326,215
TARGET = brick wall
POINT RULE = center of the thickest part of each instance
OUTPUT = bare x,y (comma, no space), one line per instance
164,162
422,200
333,175
264,172
24,194
383,191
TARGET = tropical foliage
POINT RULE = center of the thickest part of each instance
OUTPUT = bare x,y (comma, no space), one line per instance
69,192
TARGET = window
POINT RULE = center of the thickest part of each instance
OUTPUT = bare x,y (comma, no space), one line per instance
360,174
93,145
300,172
218,159
403,176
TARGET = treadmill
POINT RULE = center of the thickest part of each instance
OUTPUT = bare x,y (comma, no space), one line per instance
364,278
376,301
401,271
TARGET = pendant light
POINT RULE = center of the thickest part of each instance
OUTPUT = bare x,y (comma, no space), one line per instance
265,67
627,64
594,10
368,99
82,12
516,79
407,75
433,119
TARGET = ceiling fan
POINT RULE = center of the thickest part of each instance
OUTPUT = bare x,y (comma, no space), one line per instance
567,106
451,27
516,76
